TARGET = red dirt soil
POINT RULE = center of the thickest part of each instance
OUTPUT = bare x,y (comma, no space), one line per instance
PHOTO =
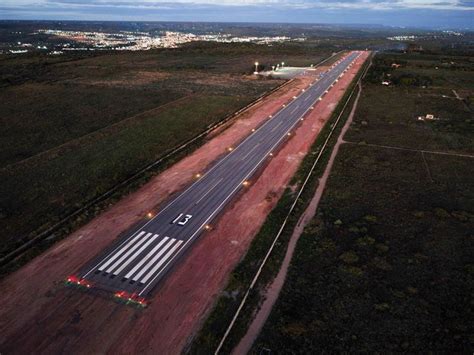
40,315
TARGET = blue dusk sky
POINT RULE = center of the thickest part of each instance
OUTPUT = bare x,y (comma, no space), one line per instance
411,13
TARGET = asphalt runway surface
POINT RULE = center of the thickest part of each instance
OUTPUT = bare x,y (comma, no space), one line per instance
139,260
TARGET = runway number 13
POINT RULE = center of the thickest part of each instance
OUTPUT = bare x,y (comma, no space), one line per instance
182,220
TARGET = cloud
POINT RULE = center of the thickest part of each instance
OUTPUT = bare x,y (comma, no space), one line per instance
289,4
419,13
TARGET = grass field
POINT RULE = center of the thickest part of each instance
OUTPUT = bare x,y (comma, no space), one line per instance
386,265
77,125
397,123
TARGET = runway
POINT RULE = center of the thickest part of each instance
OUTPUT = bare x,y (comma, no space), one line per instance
142,258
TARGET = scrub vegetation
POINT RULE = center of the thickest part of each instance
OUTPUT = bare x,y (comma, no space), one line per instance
386,265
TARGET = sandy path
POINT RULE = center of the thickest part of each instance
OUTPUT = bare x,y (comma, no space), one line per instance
40,315
271,294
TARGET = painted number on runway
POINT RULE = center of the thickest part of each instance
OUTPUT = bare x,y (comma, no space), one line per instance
182,219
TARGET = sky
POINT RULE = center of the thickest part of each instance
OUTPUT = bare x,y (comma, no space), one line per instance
456,14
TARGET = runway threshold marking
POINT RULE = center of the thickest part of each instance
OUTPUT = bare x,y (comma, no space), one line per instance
130,251
134,256
146,258
154,259
162,261
120,251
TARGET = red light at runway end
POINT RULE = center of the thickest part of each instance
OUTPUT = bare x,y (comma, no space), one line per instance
131,299
72,278
76,281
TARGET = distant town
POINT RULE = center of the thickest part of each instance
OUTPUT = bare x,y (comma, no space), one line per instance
411,38
133,41
56,40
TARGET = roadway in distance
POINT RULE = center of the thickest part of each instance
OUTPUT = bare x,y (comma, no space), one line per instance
142,258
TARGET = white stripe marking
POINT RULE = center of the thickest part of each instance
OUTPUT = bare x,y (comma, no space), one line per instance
207,192
124,265
145,259
162,261
251,150
130,251
152,261
274,128
120,251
